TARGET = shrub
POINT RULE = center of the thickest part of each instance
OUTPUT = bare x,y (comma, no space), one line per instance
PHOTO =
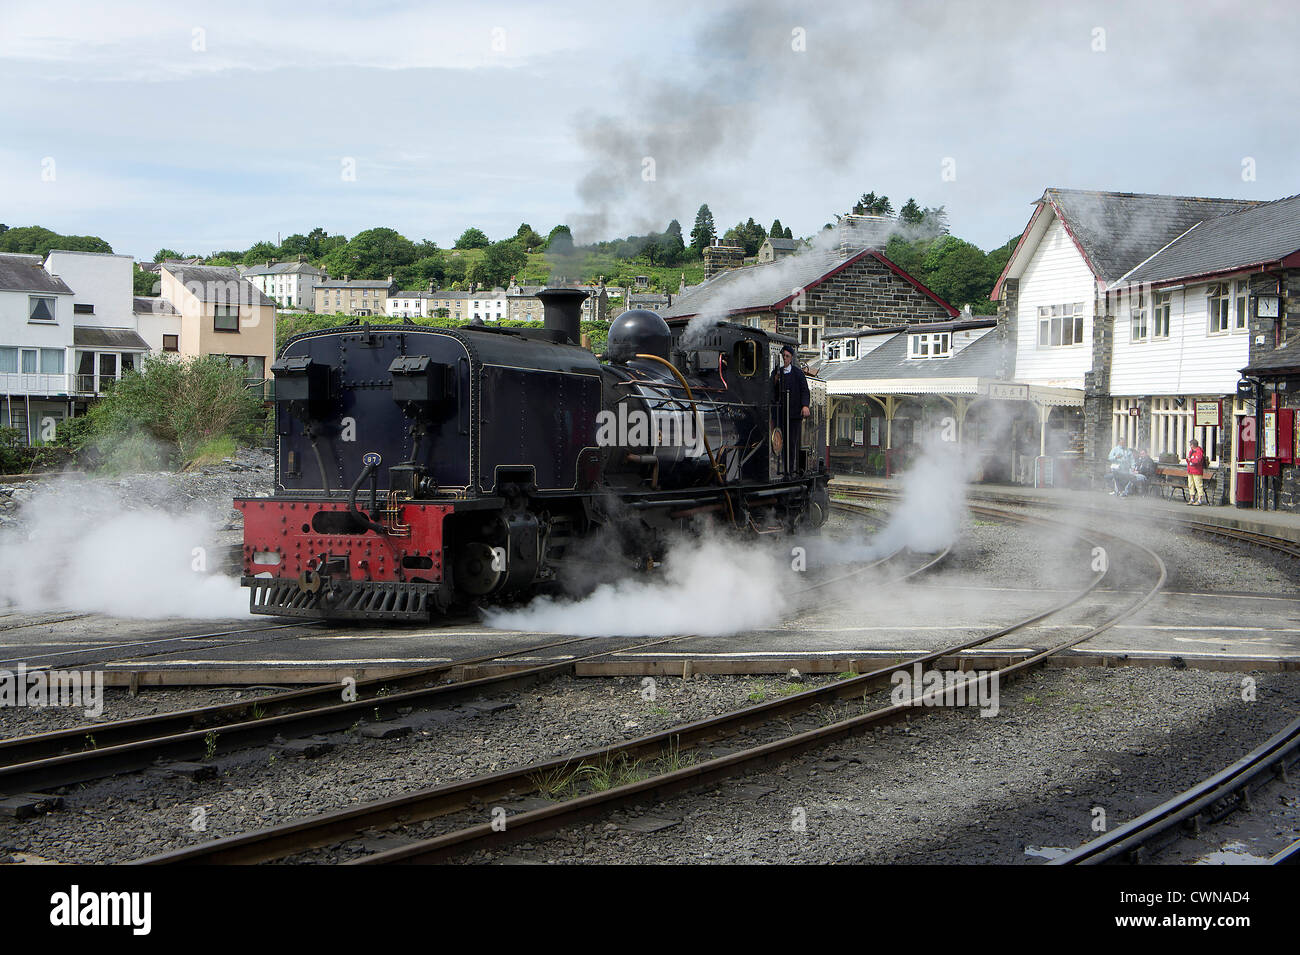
170,410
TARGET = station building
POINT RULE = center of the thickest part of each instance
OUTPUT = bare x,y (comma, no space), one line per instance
1150,307
892,389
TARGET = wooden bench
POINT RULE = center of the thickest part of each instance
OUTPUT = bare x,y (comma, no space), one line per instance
1171,479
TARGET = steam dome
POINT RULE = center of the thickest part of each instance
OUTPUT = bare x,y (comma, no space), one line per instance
638,332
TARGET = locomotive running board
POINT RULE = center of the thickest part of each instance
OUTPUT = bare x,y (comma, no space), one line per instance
345,600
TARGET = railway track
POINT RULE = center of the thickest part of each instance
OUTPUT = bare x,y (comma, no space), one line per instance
81,754
1204,804
683,758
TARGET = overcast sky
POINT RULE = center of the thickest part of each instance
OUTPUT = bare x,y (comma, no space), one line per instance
204,128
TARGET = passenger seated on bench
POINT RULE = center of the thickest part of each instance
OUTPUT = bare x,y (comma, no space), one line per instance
1121,464
1144,472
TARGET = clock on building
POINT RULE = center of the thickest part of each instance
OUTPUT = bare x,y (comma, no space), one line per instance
1266,306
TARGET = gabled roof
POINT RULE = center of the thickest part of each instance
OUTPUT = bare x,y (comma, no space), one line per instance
770,286
217,283
1262,235
980,359
25,273
783,245
1115,231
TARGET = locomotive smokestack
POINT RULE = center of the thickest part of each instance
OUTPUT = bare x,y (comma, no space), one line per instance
562,310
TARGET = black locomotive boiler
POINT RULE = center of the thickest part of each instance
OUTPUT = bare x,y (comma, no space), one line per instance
423,467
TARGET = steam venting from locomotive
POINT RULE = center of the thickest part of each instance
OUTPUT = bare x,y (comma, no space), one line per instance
82,548
708,586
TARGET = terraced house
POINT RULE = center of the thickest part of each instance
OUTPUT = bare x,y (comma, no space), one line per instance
348,297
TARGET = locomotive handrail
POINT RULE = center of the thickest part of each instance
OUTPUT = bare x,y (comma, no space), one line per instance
713,463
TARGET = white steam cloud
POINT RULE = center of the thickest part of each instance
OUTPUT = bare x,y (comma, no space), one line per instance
709,586
81,548
926,520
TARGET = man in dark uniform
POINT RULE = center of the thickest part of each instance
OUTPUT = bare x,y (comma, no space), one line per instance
791,402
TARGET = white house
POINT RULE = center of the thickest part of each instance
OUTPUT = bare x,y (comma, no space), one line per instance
105,342
36,328
288,284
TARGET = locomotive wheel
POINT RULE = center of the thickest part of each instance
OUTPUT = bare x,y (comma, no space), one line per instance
474,570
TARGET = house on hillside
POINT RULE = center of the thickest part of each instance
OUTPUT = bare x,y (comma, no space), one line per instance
361,297
288,284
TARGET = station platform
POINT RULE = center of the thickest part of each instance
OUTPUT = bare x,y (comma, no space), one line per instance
1283,524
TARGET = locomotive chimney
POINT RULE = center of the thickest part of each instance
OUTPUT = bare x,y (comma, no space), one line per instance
562,310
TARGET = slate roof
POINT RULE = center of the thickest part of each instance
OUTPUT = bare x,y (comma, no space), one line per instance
783,245
282,268
116,339
216,283
25,273
1118,230
979,359
356,283
1280,361
769,285
1262,234
152,304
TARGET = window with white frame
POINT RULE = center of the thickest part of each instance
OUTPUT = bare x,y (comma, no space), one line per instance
833,351
1160,316
1138,315
850,348
810,330
1060,325
930,345
1218,305
1241,295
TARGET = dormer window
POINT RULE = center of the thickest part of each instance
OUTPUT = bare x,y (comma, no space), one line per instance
850,348
930,345
833,351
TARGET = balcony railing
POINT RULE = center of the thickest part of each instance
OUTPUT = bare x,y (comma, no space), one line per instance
31,383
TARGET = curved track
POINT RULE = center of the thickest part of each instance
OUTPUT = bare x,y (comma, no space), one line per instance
666,751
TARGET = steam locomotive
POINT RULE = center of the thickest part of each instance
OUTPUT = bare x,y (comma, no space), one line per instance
419,468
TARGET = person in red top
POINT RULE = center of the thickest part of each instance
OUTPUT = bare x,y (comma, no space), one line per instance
1195,470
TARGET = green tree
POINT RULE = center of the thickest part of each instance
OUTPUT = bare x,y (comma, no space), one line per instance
144,283
500,261
911,213
163,255
35,240
372,254
957,271
528,240
260,253
777,231
456,270
872,205
703,234
473,238
564,235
